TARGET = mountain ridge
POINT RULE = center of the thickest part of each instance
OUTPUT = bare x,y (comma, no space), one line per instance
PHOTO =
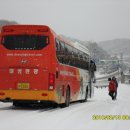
116,46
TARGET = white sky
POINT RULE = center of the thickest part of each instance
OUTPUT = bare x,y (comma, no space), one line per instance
94,20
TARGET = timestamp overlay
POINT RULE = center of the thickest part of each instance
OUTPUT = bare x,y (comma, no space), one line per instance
111,117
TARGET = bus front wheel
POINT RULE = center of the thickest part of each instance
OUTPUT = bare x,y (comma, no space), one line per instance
86,96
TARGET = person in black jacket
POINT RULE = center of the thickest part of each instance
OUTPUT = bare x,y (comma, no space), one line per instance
93,69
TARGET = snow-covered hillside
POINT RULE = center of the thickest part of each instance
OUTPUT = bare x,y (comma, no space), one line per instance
79,116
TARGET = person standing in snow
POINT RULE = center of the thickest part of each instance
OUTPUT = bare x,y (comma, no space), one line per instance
114,79
112,88
93,69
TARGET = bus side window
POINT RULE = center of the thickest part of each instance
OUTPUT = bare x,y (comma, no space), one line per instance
70,56
75,57
57,46
62,51
57,49
74,53
86,58
68,51
66,54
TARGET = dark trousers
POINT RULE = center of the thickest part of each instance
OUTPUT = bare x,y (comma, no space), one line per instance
115,94
112,94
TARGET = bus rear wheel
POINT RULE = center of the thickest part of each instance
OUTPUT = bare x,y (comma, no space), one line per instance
17,104
20,104
67,100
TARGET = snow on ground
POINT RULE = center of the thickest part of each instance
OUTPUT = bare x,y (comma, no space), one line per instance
79,116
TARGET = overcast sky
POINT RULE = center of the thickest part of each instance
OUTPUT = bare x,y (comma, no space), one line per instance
95,20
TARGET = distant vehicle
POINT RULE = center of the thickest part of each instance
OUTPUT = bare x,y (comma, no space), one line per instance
39,66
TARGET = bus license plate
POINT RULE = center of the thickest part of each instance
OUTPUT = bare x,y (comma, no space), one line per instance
23,85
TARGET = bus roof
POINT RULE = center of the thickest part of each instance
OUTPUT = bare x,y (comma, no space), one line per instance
22,28
42,29
81,47
76,45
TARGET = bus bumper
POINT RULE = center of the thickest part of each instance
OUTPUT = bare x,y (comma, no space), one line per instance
31,95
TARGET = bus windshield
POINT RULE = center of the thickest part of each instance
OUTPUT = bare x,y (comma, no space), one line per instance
25,42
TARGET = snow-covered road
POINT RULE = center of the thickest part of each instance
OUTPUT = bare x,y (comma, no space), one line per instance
79,116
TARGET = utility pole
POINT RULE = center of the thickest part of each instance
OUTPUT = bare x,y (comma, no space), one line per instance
121,61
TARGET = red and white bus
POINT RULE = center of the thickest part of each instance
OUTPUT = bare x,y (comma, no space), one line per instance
39,66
